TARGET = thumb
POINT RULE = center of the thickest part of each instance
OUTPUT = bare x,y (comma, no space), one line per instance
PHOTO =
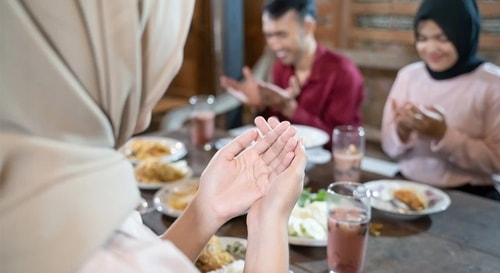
247,73
300,159
294,84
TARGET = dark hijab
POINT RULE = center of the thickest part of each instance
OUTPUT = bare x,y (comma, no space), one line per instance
461,22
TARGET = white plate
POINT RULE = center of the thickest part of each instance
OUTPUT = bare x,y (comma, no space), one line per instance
177,148
438,199
162,197
318,155
155,186
313,137
305,241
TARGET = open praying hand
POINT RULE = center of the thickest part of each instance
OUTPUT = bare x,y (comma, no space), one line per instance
424,120
241,173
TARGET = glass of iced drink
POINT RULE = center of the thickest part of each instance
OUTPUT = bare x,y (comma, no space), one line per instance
202,119
348,150
349,217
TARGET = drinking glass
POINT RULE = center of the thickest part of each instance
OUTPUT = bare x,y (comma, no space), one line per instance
349,218
202,119
496,181
348,150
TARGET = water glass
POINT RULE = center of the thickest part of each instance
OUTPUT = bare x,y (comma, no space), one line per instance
348,150
202,119
349,218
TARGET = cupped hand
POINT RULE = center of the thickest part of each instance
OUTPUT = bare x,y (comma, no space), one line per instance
283,193
429,121
241,173
402,119
277,97
247,92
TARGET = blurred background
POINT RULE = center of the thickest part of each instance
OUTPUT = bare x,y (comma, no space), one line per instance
376,34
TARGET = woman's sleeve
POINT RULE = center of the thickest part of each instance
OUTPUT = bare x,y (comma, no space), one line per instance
391,143
482,153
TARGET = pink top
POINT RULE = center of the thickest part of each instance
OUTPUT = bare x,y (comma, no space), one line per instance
469,152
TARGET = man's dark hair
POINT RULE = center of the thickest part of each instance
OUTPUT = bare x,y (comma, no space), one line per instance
276,8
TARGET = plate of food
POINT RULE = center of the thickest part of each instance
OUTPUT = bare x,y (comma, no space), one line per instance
138,149
307,225
172,200
154,173
313,137
406,199
223,255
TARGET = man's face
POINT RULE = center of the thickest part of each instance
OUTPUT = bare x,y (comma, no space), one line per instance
285,36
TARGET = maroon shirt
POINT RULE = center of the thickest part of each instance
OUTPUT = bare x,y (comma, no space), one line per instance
331,96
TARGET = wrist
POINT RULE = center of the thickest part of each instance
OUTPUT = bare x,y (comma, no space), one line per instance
403,132
267,248
288,107
192,229
257,219
277,223
441,133
205,215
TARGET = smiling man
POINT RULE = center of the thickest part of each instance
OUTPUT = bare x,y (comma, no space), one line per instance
313,85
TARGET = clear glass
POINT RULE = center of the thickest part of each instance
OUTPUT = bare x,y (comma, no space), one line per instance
496,180
349,218
348,150
202,119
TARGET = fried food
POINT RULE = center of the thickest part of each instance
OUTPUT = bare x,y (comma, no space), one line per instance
143,149
213,256
181,198
155,171
411,198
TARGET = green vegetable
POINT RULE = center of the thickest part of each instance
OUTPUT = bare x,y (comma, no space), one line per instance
237,249
307,197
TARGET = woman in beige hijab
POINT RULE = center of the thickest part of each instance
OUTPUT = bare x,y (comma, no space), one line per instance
77,79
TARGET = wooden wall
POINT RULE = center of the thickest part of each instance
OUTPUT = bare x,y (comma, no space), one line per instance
195,75
378,36
253,31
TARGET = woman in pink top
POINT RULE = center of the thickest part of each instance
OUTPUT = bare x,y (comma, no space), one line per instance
442,117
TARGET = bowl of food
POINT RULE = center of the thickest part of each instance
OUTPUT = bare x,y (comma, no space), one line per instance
223,255
155,173
172,200
138,149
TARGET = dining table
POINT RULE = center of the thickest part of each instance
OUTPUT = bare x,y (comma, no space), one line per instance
463,238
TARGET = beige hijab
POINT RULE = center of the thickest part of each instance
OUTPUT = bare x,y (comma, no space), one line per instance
77,79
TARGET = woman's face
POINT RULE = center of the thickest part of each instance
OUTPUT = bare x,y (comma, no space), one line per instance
434,48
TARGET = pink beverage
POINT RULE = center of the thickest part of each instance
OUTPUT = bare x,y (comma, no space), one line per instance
202,127
347,239
347,165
